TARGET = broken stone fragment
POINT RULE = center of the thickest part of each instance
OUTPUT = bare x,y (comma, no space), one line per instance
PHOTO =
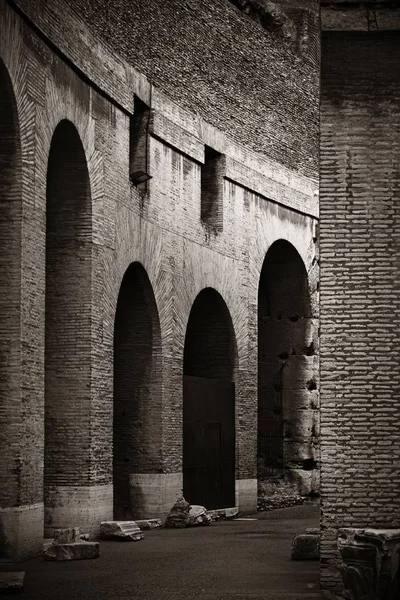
67,535
306,546
127,531
144,524
371,565
11,582
179,514
182,514
198,516
72,551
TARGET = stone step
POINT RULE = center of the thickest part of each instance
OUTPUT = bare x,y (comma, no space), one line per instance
223,513
144,524
121,530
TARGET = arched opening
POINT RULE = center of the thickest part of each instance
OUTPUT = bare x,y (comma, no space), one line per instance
137,394
10,282
68,328
287,424
209,366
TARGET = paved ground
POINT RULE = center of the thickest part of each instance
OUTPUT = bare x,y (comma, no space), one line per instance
229,560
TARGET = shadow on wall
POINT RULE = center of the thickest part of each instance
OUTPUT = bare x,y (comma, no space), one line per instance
137,392
210,363
288,428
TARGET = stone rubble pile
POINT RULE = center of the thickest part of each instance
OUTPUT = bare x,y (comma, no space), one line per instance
182,514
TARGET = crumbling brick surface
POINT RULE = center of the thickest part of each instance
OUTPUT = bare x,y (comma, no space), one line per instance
360,302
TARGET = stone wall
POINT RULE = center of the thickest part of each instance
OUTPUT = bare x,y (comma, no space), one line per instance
59,71
360,305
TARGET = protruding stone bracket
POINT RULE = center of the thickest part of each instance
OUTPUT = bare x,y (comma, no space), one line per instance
371,561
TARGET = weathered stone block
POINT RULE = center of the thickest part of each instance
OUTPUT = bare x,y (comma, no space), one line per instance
198,516
11,582
67,536
73,551
301,372
306,546
307,482
300,424
121,530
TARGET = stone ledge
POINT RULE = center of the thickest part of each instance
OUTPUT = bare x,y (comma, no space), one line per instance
223,513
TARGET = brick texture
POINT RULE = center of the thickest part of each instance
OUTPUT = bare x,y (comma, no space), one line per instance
360,302
10,281
137,387
260,92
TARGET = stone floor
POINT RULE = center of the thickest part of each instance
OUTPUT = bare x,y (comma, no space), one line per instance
229,560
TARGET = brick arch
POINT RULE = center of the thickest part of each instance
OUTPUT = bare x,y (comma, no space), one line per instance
209,370
10,283
68,324
210,344
137,427
286,381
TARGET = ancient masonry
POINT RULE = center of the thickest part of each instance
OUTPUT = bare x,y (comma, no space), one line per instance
360,300
142,324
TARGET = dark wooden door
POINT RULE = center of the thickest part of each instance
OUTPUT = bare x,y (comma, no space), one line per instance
209,442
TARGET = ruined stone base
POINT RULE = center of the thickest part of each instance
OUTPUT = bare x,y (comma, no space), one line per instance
68,545
306,546
72,551
12,582
371,563
223,513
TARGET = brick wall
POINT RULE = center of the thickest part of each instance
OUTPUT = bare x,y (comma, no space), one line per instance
10,281
360,302
214,60
137,387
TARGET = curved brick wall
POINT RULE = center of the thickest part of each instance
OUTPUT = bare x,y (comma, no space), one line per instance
10,279
218,62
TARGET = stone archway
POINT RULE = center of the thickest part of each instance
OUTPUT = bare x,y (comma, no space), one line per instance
287,449
10,303
137,398
209,370
68,331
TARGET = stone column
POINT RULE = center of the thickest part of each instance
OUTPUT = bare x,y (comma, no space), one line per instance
371,560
